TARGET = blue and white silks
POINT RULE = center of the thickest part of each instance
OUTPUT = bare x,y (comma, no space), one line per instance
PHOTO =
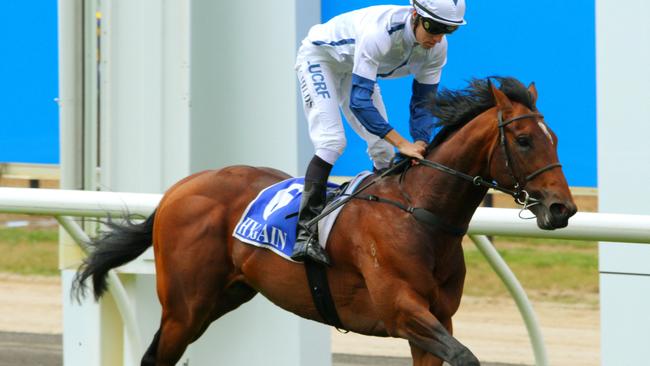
270,219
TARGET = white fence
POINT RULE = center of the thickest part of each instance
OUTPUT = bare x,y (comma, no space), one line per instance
487,221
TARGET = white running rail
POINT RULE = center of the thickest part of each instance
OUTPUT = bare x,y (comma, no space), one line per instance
486,221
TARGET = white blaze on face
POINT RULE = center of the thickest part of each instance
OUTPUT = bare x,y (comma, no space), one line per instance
542,125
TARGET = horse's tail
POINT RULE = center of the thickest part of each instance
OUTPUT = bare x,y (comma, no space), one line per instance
119,245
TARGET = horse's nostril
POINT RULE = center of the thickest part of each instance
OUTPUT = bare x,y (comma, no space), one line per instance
558,209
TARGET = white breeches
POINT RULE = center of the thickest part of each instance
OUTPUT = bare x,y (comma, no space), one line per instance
325,90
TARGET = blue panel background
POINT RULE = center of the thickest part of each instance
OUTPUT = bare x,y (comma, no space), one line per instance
530,40
29,123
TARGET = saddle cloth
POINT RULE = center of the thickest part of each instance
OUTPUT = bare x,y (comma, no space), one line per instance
270,220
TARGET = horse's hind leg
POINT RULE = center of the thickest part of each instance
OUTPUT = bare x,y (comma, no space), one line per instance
195,280
177,332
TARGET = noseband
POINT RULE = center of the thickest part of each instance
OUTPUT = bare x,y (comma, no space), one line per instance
520,195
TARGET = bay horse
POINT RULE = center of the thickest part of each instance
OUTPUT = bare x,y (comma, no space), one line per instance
392,274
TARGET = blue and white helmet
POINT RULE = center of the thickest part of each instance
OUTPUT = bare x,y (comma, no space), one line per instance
449,12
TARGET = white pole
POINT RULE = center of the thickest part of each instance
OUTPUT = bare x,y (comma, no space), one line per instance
70,93
76,203
115,288
583,226
518,294
486,221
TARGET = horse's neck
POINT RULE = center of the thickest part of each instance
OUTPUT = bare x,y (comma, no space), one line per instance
467,151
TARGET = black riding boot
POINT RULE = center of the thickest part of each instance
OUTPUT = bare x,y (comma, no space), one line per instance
311,204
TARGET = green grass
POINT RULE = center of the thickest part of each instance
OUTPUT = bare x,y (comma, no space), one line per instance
29,251
552,270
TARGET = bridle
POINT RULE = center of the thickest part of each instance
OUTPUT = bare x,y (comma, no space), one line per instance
518,192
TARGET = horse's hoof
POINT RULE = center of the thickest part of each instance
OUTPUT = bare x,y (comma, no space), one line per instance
466,358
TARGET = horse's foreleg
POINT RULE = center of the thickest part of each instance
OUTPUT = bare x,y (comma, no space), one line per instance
413,321
424,358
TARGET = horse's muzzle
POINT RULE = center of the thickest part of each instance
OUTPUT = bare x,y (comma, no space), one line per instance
554,215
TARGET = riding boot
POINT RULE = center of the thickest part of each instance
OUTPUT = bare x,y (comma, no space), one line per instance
312,204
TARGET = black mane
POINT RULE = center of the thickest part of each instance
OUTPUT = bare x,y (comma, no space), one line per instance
455,108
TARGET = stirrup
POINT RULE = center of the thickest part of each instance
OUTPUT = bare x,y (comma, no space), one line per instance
316,253
310,249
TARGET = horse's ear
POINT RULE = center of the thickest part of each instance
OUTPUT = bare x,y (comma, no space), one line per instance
533,92
503,103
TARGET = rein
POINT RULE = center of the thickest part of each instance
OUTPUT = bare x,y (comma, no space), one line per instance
330,208
521,196
420,214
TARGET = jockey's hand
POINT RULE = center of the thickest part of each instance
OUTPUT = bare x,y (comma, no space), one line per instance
421,143
413,150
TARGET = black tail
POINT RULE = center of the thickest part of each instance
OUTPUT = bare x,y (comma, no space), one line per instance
119,245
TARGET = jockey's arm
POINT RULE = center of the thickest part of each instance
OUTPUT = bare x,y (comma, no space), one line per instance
366,112
421,122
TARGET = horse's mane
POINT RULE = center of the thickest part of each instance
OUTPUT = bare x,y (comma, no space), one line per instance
455,108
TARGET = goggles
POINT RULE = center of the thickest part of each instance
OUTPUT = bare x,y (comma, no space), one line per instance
433,27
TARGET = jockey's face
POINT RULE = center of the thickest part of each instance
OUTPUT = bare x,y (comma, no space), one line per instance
426,39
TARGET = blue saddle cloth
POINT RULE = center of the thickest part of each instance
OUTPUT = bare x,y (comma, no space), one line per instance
270,220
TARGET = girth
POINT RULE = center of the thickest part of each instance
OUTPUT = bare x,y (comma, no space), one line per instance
320,292
421,214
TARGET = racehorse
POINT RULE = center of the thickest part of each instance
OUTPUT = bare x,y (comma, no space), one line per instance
392,274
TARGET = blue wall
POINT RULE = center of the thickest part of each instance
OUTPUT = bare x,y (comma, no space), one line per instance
29,122
530,40
549,42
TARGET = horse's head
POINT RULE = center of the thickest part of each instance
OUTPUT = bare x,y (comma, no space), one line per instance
524,158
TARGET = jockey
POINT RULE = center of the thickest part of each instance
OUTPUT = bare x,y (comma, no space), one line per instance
338,65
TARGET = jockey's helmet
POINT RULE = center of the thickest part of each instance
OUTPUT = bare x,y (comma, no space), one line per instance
440,16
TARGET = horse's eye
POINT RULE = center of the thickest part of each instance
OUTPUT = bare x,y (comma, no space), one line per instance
524,141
